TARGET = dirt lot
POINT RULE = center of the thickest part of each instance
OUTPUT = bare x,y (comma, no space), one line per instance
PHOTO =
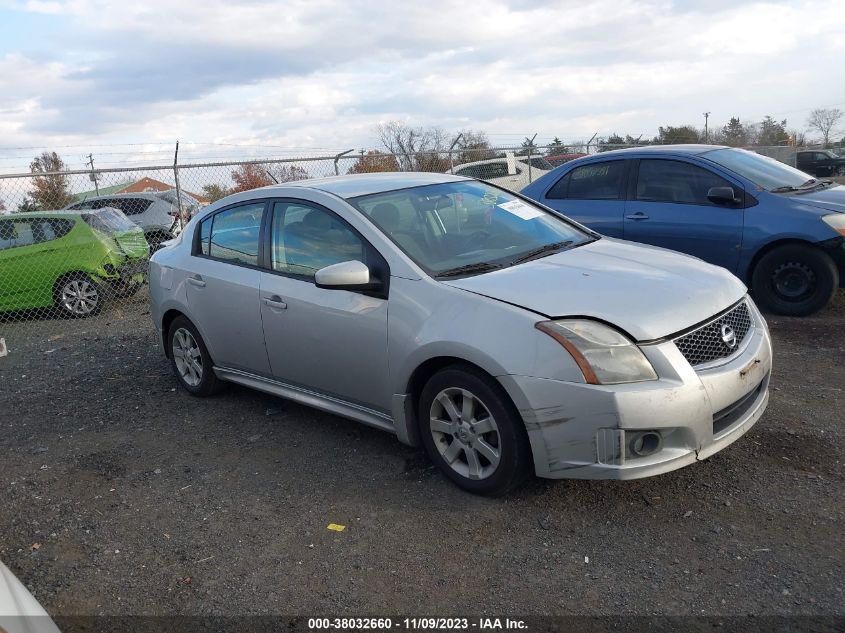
120,494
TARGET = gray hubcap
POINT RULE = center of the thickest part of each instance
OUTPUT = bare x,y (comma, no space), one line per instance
188,358
465,433
80,297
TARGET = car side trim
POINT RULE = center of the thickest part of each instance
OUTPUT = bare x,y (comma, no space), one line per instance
330,404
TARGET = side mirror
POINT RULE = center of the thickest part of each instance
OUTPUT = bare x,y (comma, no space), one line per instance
351,275
722,195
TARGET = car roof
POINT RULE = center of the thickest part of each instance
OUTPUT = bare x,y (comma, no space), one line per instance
521,158
698,148
108,196
354,185
43,214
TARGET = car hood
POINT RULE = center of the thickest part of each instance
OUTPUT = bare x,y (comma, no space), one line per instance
832,198
646,291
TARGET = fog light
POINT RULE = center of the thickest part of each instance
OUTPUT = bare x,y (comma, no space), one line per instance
645,444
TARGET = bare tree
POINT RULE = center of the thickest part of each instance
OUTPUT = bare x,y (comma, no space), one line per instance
374,161
416,149
472,146
823,120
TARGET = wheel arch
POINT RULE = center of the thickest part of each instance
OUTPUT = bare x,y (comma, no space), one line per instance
167,318
768,248
421,375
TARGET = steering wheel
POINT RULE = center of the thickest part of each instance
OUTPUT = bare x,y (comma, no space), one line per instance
478,238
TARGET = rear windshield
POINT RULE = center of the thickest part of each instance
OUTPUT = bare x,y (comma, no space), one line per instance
108,221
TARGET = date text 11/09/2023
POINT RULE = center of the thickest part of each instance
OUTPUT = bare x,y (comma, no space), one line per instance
423,623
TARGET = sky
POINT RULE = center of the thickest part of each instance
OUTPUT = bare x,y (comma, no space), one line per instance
124,80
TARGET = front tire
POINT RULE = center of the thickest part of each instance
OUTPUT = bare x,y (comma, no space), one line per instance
190,360
78,296
795,280
472,431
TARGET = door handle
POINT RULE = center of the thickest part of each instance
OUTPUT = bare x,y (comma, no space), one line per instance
637,216
274,302
196,280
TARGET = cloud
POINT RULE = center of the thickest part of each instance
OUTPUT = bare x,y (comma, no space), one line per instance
323,72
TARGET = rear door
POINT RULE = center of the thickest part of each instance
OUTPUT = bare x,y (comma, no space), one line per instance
592,194
668,207
222,286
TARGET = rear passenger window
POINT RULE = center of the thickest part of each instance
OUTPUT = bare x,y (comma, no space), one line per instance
596,181
676,181
205,233
234,234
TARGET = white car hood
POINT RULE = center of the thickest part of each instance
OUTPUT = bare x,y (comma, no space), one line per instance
16,602
646,291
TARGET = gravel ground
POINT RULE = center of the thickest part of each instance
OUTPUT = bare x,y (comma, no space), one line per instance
120,494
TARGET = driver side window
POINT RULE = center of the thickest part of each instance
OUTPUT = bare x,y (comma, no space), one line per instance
307,238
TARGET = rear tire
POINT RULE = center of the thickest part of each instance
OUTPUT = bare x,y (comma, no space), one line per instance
190,360
472,431
795,280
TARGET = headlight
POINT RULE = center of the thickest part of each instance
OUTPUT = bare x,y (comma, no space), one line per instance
836,221
605,356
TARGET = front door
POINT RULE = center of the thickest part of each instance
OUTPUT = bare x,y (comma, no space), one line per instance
669,208
326,340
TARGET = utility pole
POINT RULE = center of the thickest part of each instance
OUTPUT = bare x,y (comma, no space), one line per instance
706,135
93,174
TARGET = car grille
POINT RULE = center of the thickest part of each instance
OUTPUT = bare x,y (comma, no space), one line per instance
705,344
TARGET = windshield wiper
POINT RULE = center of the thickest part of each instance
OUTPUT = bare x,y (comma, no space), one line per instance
468,269
812,183
542,250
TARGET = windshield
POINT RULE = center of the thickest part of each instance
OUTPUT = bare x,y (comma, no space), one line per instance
108,221
467,227
763,171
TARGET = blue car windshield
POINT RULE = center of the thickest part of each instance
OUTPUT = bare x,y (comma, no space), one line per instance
467,227
763,171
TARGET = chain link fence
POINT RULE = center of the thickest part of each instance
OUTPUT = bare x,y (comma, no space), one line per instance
76,243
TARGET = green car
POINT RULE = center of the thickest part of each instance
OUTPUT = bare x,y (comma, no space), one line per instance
69,260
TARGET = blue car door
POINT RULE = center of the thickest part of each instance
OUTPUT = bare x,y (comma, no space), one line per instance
668,206
592,194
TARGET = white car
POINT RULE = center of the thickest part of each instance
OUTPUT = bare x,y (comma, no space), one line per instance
511,172
157,213
19,610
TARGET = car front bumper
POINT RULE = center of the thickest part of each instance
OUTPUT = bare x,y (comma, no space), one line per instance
583,431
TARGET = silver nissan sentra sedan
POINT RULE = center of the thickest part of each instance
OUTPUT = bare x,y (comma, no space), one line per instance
501,336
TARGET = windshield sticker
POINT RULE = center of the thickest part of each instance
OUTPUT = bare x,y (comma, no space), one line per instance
521,210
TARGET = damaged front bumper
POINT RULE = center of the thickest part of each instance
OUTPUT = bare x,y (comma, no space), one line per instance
630,431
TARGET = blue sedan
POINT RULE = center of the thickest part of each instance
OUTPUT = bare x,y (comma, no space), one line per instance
778,229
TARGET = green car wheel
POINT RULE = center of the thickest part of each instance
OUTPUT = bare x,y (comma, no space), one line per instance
78,296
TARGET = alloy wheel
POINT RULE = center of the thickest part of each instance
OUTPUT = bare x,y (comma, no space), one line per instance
80,297
188,358
465,433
